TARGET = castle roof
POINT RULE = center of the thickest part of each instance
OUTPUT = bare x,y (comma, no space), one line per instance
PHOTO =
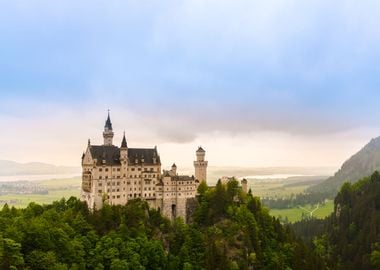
200,149
108,122
124,142
182,178
111,155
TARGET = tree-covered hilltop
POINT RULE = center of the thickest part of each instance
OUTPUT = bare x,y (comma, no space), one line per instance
230,230
350,237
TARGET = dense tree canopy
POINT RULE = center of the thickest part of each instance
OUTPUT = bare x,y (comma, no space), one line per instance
230,230
350,237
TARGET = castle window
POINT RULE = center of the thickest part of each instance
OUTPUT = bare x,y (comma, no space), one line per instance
113,197
100,169
118,196
133,169
100,191
144,188
106,177
118,183
151,169
154,194
118,169
100,177
149,188
139,169
100,184
128,183
118,190
106,170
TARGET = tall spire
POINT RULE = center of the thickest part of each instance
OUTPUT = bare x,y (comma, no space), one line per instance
108,133
124,142
108,125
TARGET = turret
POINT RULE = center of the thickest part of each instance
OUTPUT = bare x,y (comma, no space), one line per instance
244,185
200,154
200,165
174,169
108,133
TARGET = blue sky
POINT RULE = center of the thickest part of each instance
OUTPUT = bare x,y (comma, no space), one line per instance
178,72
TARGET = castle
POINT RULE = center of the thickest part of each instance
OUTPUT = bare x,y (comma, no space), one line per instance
116,175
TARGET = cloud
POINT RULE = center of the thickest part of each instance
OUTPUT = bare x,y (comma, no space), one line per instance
175,71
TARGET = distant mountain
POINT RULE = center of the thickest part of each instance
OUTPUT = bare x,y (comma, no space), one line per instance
8,168
360,165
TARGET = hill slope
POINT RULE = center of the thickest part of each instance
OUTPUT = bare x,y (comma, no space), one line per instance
349,238
360,165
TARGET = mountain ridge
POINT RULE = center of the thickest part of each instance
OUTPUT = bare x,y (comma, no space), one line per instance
9,168
361,164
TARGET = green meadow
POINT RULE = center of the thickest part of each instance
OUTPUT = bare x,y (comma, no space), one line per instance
57,189
295,214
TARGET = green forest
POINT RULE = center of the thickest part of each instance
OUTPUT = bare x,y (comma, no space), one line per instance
350,237
230,230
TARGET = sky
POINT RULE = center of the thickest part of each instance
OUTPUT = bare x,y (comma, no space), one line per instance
256,83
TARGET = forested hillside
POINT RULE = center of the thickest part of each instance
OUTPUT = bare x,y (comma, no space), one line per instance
230,230
350,237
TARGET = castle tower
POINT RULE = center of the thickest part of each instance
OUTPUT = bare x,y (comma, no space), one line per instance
174,169
108,133
200,166
244,185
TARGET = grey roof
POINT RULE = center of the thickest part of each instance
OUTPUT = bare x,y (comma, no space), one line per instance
148,154
111,155
200,149
182,178
108,122
124,142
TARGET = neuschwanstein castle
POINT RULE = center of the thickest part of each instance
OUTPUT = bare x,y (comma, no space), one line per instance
117,174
